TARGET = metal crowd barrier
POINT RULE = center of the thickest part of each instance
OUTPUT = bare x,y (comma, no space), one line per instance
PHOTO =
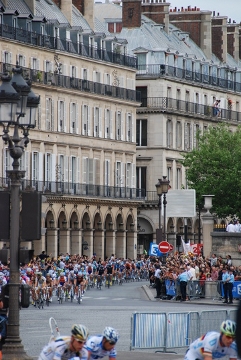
166,332
201,289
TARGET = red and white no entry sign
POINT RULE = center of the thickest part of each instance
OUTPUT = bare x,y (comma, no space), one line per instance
164,247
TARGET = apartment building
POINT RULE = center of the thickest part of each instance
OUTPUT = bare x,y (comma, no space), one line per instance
187,58
82,152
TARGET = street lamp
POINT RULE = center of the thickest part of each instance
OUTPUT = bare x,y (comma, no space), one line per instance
18,106
162,188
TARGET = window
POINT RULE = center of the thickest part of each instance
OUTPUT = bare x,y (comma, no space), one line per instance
169,134
50,166
61,116
60,168
128,175
8,162
140,181
195,133
37,166
129,127
85,120
169,173
74,118
178,179
188,136
49,114
73,71
141,132
141,60
178,135
84,74
118,126
118,177
97,122
107,177
197,106
6,60
91,175
108,129
21,60
48,66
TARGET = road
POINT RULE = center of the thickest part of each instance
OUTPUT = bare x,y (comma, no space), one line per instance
107,307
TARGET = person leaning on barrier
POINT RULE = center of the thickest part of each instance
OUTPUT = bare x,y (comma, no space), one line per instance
67,347
214,345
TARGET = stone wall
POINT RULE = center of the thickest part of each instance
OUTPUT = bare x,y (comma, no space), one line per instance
224,243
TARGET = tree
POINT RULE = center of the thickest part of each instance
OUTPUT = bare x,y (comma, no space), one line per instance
214,168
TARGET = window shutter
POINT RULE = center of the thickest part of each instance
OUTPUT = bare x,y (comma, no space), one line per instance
88,120
78,170
70,169
84,170
66,170
45,166
127,126
100,122
133,175
71,117
122,175
116,126
107,173
111,133
40,167
97,171
53,166
47,123
65,117
95,123
37,64
59,116
83,120
77,118
105,123
91,171
122,126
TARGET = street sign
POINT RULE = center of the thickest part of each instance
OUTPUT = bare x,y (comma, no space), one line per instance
170,247
164,247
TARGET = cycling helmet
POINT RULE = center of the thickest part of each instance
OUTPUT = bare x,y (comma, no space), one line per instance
61,274
111,334
228,328
80,332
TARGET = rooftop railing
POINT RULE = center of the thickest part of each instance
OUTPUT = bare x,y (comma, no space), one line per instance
189,108
161,70
50,42
76,189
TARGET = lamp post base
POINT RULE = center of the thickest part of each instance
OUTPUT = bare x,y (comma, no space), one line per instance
14,351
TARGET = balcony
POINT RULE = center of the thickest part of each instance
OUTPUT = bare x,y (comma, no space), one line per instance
53,43
53,79
195,77
181,107
75,189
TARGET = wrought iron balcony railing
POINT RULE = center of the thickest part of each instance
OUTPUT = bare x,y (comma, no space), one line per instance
188,108
76,189
50,42
161,70
54,79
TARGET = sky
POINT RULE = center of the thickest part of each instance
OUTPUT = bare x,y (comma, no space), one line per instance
230,8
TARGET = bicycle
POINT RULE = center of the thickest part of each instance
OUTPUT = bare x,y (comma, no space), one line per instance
99,282
107,280
71,293
79,295
39,302
47,299
61,294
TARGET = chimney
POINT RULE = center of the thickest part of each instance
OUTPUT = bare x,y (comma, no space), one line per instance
66,8
31,5
86,7
198,24
233,40
131,13
219,37
158,12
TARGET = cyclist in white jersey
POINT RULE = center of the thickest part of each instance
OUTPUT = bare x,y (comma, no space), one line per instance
67,347
102,345
215,345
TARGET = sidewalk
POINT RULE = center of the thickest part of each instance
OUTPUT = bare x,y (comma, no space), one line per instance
151,293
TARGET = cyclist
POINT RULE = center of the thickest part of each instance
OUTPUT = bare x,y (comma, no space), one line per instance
49,285
100,272
40,283
214,345
79,282
109,272
102,345
62,281
67,347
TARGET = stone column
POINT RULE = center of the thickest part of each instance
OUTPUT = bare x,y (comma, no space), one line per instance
208,223
64,243
130,245
76,241
110,243
52,236
120,244
87,235
99,244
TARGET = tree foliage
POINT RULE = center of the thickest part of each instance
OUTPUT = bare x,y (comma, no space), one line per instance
214,168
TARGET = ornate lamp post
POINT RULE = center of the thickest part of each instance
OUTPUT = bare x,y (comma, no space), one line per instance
18,106
162,188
